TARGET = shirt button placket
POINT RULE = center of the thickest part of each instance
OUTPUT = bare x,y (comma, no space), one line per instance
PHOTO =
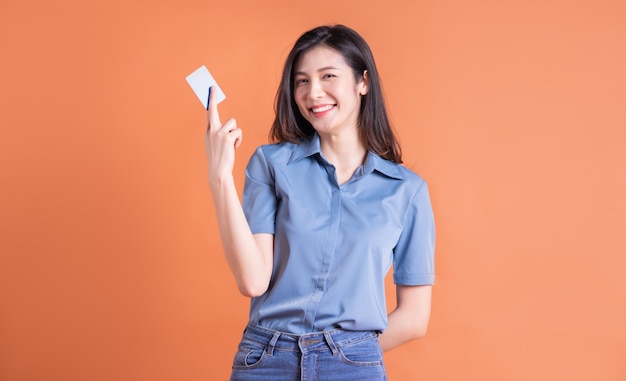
331,242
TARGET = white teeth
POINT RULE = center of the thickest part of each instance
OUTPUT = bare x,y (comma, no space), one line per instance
322,109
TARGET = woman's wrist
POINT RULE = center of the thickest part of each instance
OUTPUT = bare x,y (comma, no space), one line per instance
218,181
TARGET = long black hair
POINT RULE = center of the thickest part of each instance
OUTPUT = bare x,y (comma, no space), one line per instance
374,126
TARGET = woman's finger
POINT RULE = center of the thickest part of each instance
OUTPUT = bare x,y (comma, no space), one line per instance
213,116
233,133
238,136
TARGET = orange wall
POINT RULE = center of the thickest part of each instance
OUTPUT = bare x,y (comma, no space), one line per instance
514,111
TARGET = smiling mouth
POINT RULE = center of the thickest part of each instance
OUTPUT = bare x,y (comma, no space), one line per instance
322,108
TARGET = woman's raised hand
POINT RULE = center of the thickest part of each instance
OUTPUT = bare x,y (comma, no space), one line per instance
220,141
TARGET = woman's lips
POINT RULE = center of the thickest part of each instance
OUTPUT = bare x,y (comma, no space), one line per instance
321,109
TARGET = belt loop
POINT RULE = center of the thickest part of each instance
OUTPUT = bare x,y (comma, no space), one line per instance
270,346
331,343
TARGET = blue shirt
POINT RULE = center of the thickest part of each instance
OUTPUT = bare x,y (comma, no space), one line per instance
333,245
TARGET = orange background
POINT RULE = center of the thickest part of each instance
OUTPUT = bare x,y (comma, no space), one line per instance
513,111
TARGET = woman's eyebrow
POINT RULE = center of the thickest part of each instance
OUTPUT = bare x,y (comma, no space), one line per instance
320,69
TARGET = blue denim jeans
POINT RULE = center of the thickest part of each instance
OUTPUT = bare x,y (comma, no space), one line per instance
335,355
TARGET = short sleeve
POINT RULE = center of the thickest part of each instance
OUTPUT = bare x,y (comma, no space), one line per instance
414,254
259,196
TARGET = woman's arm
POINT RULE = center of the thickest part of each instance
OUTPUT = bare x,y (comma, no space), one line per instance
249,256
409,321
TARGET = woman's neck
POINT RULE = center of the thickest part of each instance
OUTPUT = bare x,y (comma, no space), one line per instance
346,152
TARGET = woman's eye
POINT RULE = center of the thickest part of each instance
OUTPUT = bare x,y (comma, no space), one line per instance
329,75
300,81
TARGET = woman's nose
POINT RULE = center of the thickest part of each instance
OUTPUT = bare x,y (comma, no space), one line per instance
316,90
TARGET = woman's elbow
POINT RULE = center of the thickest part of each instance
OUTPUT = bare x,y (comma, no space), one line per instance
417,329
251,290
420,330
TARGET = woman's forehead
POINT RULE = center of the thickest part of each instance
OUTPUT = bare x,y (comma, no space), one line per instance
320,58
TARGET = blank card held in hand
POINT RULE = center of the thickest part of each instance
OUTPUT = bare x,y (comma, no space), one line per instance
200,81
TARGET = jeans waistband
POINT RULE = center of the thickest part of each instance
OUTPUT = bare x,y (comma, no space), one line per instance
333,339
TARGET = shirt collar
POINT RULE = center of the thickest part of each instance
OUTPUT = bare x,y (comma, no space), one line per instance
308,147
386,167
374,162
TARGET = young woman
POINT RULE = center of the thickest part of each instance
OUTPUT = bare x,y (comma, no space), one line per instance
327,209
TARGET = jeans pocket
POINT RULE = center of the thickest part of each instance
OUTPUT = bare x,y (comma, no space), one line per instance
363,353
249,355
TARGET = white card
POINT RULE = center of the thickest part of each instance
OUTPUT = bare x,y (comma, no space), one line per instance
200,81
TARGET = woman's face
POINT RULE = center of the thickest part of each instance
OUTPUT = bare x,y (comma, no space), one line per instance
326,92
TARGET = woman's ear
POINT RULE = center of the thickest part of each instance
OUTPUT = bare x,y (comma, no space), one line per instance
364,84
